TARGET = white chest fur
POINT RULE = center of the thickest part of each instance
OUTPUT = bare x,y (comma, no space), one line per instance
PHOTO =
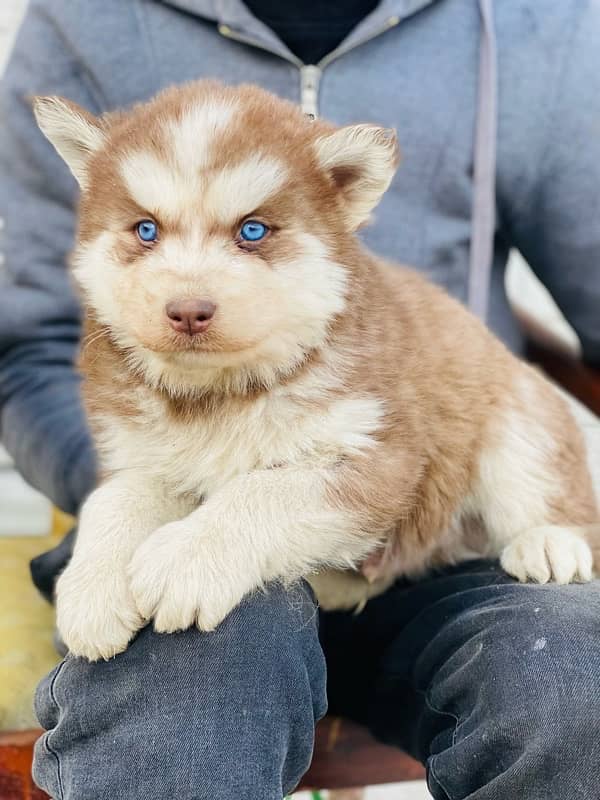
200,455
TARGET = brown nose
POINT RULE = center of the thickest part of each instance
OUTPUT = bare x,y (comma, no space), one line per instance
190,316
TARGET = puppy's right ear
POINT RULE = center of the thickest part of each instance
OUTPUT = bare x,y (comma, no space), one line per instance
74,132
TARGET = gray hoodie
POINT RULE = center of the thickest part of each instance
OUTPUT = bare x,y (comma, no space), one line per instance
430,68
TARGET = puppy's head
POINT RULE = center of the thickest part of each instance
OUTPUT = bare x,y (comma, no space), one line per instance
215,225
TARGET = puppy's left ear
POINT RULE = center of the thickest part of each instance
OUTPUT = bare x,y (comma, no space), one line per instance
361,160
74,132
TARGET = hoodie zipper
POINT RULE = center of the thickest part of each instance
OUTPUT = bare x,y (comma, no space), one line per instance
310,74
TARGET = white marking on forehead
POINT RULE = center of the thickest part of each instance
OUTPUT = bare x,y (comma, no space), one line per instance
156,186
167,186
236,191
193,137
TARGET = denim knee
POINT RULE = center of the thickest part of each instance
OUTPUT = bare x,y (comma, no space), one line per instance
521,697
190,715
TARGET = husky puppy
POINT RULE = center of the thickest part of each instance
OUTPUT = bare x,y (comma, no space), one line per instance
271,401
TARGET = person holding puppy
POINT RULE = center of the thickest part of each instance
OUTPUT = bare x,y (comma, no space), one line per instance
489,682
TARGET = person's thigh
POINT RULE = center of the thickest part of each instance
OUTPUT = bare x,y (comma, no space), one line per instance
193,716
492,684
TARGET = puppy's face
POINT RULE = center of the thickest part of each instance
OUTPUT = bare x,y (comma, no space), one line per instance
213,223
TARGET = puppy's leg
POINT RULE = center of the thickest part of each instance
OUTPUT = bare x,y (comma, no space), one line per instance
278,524
348,589
534,494
96,614
549,552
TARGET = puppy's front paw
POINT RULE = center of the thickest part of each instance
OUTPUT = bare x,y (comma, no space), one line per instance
548,553
95,612
182,578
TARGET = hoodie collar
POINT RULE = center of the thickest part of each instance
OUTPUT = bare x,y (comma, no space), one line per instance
235,15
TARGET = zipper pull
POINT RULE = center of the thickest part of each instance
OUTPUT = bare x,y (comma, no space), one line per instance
310,77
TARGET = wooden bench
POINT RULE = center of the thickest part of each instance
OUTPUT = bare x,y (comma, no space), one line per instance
15,767
345,754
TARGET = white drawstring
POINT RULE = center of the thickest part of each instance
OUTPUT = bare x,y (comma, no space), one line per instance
481,254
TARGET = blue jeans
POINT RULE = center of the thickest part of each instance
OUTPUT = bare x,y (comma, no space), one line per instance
494,685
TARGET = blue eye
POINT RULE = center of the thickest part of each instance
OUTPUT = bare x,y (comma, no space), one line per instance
253,231
147,230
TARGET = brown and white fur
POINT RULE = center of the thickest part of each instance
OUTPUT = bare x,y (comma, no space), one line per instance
338,411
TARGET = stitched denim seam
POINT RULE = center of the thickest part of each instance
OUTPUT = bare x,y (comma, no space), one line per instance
437,780
432,707
53,754
47,743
